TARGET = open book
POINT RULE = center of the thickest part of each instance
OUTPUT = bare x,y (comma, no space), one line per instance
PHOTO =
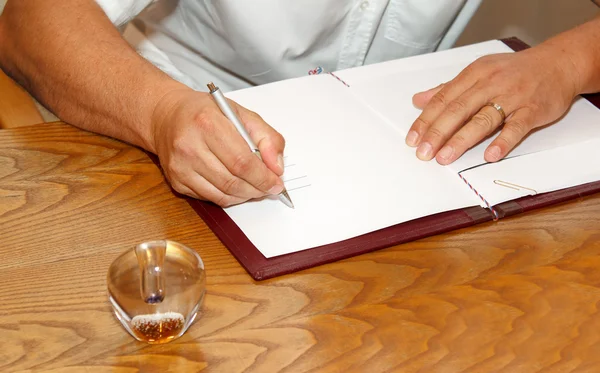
350,173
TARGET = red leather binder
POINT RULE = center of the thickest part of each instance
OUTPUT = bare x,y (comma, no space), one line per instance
261,268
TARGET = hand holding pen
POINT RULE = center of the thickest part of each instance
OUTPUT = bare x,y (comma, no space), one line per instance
233,118
203,155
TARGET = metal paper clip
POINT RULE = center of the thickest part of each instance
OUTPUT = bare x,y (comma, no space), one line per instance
513,186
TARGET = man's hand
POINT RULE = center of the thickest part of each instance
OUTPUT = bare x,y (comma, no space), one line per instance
203,155
50,46
533,87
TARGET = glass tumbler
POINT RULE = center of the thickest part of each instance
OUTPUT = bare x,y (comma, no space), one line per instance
156,290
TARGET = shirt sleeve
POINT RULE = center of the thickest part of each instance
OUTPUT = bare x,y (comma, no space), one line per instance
157,57
121,12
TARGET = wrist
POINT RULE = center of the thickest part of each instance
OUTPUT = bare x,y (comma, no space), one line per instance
577,53
568,69
163,108
161,104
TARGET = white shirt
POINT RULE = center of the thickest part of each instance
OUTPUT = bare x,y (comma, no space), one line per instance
240,43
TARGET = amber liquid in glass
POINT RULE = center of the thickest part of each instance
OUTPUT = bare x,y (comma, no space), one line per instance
158,328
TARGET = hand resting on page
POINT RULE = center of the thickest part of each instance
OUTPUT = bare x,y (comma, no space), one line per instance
516,91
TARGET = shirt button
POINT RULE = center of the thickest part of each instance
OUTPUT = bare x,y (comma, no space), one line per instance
364,5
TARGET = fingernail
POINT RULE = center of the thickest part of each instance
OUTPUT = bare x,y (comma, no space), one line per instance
494,153
446,153
411,138
424,151
280,161
276,189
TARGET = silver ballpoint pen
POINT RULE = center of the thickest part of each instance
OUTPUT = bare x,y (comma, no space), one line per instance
228,112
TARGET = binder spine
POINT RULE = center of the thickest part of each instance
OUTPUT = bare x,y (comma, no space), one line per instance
338,78
494,212
319,70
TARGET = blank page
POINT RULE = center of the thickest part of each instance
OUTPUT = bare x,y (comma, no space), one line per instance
351,173
390,95
540,172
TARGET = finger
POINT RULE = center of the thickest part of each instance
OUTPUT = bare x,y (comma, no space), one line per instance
270,142
210,167
233,152
199,186
515,128
456,113
169,174
486,121
436,105
182,189
197,158
421,99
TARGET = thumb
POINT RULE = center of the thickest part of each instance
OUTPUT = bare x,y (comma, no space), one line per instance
270,142
421,99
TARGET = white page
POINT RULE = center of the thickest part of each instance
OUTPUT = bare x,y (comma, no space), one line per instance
432,61
540,172
360,176
390,95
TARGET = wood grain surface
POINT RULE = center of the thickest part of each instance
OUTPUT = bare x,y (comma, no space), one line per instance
518,295
17,108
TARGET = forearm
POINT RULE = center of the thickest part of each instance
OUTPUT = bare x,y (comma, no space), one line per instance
580,49
74,61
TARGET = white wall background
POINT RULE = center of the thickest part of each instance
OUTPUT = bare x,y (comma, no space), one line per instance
532,21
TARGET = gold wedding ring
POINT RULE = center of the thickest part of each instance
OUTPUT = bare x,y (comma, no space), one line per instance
499,109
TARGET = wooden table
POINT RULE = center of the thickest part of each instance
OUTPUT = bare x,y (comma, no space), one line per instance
518,295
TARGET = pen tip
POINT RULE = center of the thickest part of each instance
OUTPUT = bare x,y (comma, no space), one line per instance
285,198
